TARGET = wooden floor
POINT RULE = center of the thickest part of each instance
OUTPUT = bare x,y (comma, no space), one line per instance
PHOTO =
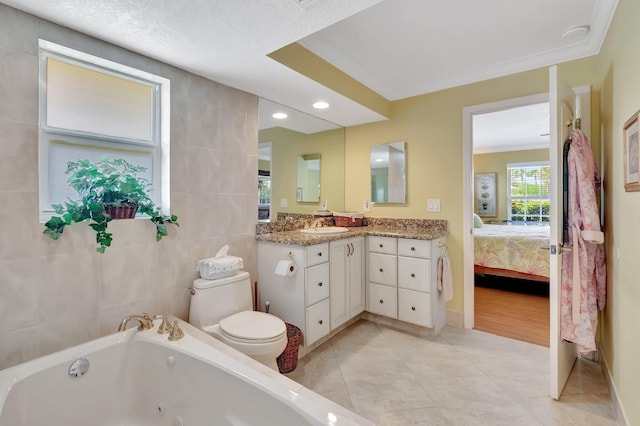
515,315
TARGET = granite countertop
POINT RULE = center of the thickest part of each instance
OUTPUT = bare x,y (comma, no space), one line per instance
295,237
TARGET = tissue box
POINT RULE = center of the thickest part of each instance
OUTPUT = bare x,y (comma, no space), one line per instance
219,267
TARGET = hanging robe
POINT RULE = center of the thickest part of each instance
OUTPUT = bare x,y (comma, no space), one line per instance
583,268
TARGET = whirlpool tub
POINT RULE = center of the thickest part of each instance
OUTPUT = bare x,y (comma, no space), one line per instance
142,378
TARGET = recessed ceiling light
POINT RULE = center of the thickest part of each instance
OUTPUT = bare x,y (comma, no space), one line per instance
576,31
321,105
279,115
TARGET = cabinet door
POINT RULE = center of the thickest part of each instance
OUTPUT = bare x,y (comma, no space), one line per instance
356,277
383,300
339,289
317,322
414,307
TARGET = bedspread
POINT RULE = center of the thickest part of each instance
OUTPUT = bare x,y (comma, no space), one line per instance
517,248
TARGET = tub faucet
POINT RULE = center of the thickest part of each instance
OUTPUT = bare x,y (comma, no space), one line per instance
146,322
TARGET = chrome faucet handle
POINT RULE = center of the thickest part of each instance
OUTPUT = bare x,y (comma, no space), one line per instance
175,333
165,326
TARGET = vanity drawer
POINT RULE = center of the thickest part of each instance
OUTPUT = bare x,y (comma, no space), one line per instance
414,307
414,274
414,248
317,322
385,245
383,269
317,254
316,283
383,300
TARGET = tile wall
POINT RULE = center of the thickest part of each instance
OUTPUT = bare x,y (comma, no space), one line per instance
55,294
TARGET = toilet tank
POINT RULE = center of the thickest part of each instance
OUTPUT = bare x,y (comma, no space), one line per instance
217,299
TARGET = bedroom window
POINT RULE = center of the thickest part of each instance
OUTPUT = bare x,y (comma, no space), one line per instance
528,191
93,108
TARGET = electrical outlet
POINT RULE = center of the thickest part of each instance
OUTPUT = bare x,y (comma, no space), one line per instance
367,206
433,205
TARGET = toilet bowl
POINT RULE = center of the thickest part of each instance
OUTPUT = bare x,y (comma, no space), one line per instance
222,308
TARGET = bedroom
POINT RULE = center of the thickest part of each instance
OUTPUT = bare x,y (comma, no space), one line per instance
511,218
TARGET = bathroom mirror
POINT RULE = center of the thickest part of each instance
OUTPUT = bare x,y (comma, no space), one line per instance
308,181
281,142
388,173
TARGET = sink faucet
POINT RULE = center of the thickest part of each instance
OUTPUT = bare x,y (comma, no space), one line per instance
146,322
317,223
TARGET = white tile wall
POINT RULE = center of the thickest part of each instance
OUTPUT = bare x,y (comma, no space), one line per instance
55,294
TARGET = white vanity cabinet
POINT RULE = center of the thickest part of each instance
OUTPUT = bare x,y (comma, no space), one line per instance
347,278
303,298
402,280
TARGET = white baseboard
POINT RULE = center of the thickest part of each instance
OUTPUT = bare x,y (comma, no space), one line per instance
455,319
618,410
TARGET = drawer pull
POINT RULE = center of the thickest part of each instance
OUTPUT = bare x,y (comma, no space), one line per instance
320,254
319,284
381,270
413,308
381,301
320,322
413,249
413,275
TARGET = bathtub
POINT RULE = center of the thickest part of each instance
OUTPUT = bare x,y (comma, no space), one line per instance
142,378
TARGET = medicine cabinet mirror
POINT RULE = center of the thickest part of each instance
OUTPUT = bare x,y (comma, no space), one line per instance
388,173
308,182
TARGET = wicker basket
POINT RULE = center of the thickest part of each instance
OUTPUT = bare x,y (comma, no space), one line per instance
288,359
123,211
348,219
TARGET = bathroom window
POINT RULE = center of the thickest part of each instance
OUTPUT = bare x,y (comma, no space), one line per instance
528,191
94,108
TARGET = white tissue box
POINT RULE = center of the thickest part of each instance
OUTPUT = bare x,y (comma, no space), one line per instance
219,267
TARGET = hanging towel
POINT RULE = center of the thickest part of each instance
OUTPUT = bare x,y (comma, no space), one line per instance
445,282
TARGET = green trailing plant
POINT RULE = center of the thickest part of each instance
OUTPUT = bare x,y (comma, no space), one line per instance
106,182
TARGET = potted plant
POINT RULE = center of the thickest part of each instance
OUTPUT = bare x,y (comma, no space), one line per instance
108,189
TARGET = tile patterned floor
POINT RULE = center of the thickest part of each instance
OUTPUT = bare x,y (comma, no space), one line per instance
461,377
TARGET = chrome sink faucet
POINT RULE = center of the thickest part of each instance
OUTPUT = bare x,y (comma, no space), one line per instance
146,322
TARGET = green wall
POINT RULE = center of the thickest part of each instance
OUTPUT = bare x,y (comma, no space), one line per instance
497,162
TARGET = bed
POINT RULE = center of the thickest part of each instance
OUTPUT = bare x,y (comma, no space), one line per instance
512,251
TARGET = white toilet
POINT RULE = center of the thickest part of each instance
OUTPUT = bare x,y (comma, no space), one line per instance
223,309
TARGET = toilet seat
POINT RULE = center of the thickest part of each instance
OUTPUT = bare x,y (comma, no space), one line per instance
253,327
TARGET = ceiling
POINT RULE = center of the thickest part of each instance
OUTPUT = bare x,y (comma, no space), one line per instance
396,48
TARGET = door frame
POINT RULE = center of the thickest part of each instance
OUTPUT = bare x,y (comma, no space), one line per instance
467,187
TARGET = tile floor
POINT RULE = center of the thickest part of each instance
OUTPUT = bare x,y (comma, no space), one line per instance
461,377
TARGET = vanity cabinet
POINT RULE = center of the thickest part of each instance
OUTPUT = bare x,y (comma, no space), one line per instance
347,277
303,298
402,280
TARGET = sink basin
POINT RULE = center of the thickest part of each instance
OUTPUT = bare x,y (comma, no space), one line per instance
327,230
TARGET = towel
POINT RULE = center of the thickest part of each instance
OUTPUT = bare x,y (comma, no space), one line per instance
445,282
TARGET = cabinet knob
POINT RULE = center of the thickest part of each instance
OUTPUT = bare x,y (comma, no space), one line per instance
381,245
381,270
413,275
320,322
413,249
381,301
319,284
413,308
320,254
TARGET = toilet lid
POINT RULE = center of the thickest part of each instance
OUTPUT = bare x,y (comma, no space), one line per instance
253,326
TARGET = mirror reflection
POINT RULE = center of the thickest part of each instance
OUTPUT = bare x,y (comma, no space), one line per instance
308,189
281,143
388,175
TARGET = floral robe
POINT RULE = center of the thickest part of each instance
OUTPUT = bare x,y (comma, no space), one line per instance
583,268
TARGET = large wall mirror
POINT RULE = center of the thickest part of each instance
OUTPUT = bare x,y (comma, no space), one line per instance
388,173
283,143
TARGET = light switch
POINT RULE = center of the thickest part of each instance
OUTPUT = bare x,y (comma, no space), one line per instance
284,202
433,205
367,206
